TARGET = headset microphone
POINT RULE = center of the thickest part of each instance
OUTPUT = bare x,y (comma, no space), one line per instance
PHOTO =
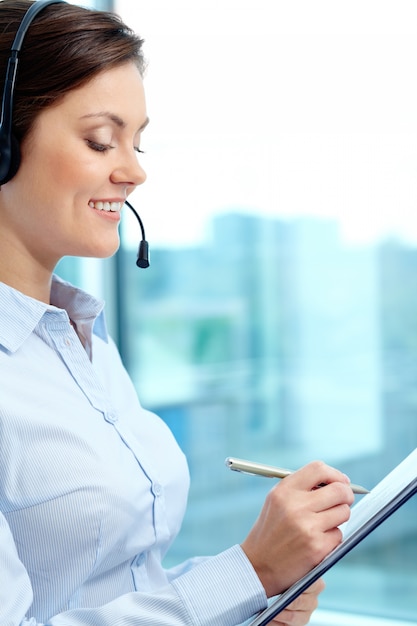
143,251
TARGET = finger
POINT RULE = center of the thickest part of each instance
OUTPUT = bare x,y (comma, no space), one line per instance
331,495
318,587
315,589
299,611
306,602
316,473
289,617
333,517
332,502
295,617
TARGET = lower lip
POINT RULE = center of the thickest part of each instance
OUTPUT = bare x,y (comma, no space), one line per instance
112,216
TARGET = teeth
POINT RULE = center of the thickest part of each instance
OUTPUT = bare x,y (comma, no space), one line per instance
106,206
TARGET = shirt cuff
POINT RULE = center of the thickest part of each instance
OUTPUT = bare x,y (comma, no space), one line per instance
224,589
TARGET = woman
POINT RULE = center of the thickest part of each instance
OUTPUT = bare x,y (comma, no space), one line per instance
93,487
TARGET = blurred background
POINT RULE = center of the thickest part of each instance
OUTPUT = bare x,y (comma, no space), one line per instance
278,319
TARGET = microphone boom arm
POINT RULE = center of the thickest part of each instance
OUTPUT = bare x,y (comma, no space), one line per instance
143,251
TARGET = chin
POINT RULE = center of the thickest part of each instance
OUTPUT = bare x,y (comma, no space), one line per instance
103,251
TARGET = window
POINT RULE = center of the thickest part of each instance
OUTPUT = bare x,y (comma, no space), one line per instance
278,320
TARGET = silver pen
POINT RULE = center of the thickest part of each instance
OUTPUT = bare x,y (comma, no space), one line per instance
249,467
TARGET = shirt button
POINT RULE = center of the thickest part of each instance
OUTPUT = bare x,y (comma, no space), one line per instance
68,341
111,418
157,489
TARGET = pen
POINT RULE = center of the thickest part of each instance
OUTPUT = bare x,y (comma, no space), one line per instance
248,467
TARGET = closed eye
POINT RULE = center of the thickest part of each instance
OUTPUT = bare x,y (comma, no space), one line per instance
98,147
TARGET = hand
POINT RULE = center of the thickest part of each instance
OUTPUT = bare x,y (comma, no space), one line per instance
298,525
298,613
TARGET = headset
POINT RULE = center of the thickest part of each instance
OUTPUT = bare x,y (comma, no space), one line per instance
9,145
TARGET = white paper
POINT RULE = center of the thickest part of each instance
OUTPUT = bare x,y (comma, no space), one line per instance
393,483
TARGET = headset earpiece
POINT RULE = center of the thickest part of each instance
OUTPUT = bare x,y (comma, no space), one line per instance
9,157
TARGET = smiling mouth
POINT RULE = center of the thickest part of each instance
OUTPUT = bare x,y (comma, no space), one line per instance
113,207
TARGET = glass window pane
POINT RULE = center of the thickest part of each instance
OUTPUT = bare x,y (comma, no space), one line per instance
278,319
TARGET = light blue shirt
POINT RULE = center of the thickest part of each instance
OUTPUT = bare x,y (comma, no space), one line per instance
93,487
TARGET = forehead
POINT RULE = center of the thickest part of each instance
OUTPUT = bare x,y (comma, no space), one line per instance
119,89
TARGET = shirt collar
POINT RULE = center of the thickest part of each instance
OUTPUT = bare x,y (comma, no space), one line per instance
20,314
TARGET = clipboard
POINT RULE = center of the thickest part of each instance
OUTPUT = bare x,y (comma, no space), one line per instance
371,511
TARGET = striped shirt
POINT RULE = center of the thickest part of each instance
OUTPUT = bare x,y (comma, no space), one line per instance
93,487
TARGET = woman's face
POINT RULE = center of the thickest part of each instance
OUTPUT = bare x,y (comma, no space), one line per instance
79,160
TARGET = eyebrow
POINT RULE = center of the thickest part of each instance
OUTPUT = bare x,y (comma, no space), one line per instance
115,119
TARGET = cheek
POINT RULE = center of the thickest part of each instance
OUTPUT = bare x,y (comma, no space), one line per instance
63,170
68,168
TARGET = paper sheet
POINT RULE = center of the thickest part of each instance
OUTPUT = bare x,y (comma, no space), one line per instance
393,483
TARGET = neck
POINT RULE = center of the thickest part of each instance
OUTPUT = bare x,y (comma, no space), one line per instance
24,263
29,288
26,275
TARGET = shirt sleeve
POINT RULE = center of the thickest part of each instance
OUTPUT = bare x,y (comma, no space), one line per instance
223,589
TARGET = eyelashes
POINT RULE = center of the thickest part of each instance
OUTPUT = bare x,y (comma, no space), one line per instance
98,147
103,147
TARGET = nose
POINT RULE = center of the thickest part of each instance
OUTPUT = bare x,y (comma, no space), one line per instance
129,171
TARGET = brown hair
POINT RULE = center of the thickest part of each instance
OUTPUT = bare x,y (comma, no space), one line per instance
64,48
